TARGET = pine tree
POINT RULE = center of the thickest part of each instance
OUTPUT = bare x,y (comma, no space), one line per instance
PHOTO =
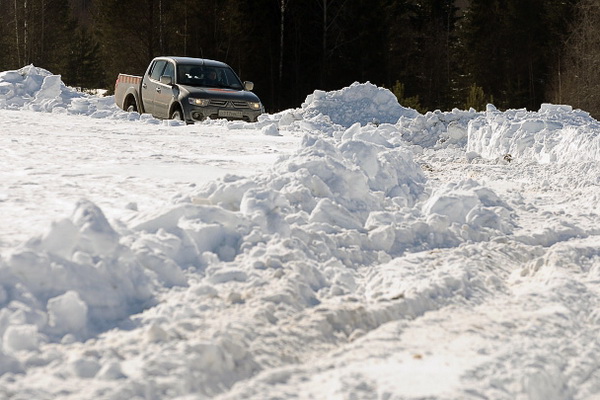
577,80
508,45
84,63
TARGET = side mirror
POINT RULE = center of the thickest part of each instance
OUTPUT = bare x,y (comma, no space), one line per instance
166,80
248,85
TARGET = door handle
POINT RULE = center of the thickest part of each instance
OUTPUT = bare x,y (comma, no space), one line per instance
144,86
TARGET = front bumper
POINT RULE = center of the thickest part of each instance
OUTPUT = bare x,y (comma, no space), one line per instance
230,112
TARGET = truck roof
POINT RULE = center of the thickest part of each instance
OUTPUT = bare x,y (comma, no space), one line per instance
192,60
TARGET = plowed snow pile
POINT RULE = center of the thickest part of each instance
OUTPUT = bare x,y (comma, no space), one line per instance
393,255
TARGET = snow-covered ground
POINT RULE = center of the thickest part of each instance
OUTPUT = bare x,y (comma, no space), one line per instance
348,249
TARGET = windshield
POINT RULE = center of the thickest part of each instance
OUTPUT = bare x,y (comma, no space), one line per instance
206,76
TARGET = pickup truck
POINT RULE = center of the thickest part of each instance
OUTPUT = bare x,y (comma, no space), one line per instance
188,89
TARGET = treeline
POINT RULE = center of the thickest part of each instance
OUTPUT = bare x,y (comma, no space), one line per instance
434,54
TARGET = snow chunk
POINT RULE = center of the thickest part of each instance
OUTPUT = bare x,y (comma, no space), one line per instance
438,129
96,234
67,312
271,130
21,337
469,203
362,103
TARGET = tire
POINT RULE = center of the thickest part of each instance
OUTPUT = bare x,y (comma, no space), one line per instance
176,115
132,106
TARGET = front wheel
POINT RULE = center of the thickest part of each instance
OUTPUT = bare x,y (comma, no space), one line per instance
176,115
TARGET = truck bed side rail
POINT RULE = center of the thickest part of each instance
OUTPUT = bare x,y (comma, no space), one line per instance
124,78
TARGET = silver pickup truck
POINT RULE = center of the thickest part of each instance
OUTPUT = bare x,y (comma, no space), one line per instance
189,89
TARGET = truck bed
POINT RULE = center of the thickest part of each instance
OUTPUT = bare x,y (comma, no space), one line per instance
127,85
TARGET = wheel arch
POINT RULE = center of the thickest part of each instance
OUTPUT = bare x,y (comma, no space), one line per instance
132,97
176,105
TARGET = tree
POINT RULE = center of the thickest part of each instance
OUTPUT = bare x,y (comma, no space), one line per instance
577,81
332,32
28,27
477,99
282,7
411,102
437,56
423,50
84,63
509,44
128,32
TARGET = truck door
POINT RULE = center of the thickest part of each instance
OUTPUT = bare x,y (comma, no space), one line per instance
164,93
150,85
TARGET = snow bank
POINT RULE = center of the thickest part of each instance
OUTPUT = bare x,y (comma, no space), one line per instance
74,280
361,103
36,89
347,201
438,129
344,201
555,133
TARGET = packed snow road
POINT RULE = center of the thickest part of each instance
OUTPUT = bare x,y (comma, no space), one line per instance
49,161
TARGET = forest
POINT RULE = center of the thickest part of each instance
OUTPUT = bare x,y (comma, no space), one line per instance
433,54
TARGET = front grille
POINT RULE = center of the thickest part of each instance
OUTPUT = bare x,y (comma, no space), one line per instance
228,104
218,103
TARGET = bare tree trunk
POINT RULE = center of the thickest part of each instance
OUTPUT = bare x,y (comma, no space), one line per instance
559,81
283,5
17,41
324,46
150,37
26,52
160,27
185,27
42,29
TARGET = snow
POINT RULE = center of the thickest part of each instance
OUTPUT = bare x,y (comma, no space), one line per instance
347,249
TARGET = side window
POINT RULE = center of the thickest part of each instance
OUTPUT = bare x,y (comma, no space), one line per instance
169,71
157,69
232,79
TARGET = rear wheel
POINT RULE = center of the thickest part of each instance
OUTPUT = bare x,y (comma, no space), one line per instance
131,106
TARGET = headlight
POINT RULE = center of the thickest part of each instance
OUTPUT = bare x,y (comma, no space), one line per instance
199,102
254,106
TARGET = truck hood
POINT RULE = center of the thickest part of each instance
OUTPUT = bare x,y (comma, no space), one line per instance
220,93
